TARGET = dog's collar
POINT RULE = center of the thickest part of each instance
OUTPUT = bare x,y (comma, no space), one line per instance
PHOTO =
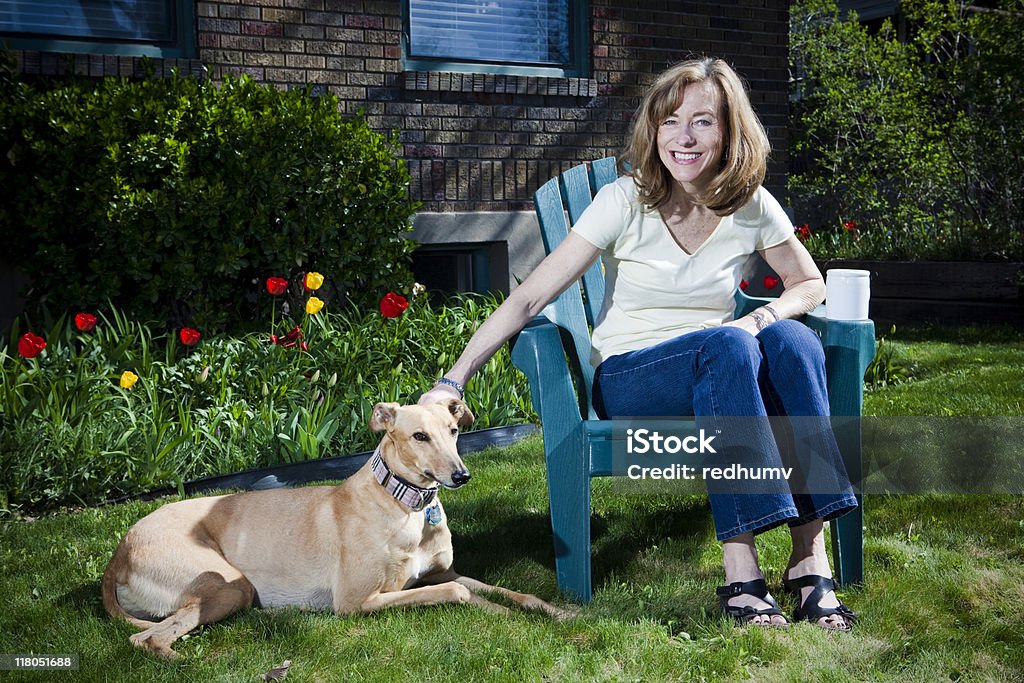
410,495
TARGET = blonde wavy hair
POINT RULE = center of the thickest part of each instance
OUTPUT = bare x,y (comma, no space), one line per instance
746,149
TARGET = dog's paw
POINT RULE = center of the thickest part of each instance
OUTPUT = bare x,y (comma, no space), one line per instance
564,613
146,641
532,602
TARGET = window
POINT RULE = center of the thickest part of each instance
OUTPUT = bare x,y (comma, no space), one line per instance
446,268
159,28
540,37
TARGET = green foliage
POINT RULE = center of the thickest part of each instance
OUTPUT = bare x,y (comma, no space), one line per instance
885,368
168,196
941,601
952,371
72,434
917,140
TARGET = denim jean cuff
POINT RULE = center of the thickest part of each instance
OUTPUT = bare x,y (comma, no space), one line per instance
760,525
828,513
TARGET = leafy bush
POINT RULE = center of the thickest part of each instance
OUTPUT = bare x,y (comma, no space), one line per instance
886,368
918,141
73,434
170,196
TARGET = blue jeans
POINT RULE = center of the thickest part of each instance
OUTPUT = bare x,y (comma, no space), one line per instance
725,373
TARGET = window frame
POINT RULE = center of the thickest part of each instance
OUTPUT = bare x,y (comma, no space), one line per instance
579,49
183,46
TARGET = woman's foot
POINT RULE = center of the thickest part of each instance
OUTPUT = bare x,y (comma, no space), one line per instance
812,604
809,577
745,597
748,602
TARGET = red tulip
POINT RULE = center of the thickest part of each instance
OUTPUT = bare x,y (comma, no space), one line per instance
31,345
189,337
744,284
803,231
850,225
85,322
276,285
392,305
771,282
289,340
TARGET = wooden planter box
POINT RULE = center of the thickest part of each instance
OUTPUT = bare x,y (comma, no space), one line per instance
958,292
955,292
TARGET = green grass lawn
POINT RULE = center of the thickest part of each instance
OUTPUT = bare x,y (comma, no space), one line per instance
943,597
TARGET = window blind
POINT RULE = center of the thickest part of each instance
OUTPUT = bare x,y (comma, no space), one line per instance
124,20
507,31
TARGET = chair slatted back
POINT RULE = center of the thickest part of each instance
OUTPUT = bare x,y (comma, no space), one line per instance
566,310
579,185
571,193
602,172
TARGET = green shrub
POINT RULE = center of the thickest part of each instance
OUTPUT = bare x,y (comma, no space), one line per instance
72,434
917,138
886,368
171,196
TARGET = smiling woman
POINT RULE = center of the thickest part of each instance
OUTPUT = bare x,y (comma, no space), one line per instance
690,138
675,233
718,88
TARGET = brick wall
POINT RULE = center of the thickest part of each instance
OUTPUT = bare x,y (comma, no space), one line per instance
474,142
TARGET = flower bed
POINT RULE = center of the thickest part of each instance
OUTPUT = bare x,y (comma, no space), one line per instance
99,405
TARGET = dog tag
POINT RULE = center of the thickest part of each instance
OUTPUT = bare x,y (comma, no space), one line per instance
433,514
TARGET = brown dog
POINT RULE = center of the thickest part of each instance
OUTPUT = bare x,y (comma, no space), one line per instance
380,539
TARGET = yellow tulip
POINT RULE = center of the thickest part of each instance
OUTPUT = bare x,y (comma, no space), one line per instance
313,305
128,379
314,281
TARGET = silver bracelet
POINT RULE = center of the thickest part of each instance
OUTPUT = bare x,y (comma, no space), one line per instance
451,383
759,320
771,309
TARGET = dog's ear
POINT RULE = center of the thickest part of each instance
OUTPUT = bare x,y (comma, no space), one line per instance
383,415
460,410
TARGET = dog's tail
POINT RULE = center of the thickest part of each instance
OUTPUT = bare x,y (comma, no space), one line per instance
108,587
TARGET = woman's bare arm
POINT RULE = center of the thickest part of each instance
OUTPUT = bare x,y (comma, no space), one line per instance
804,286
558,270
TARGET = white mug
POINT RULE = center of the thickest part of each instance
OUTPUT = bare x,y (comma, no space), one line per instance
847,293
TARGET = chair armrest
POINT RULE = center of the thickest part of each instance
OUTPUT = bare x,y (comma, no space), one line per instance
849,348
538,352
746,303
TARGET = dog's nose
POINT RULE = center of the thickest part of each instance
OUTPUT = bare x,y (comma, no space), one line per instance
460,477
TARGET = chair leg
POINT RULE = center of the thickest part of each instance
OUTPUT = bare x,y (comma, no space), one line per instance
848,546
569,499
848,530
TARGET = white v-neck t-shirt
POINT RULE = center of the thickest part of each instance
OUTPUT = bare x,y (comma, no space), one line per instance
655,291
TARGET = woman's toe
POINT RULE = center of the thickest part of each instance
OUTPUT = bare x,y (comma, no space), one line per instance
834,622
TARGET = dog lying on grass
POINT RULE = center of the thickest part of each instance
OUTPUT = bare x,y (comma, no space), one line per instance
380,539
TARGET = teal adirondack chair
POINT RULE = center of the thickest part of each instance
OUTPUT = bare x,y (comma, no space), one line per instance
554,351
